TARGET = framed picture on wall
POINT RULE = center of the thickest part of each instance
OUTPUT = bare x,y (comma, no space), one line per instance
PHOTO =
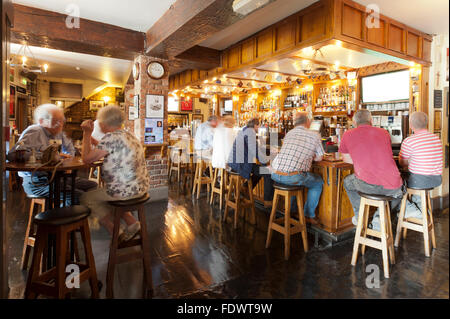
186,104
12,102
154,106
197,117
132,113
96,105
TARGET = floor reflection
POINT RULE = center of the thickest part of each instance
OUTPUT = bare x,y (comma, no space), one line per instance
196,255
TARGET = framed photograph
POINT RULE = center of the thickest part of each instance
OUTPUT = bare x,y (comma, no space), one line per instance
12,102
96,105
186,105
154,106
132,113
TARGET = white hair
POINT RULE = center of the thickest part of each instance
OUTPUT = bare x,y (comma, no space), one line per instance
362,117
419,120
111,115
45,112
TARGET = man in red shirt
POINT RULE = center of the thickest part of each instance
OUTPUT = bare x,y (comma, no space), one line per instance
369,149
422,154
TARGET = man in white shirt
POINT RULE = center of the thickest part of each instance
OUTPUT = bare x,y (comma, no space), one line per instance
203,141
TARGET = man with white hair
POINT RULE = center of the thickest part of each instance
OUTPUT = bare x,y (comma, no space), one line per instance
369,149
421,153
48,129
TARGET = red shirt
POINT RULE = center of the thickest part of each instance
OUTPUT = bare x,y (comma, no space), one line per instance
371,152
424,152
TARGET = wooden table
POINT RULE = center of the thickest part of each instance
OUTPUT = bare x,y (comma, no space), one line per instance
69,168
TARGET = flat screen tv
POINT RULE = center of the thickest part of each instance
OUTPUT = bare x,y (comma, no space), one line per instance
228,105
385,87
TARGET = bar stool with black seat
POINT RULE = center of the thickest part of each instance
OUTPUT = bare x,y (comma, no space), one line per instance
142,241
235,201
61,222
222,185
201,165
386,245
424,225
36,201
287,225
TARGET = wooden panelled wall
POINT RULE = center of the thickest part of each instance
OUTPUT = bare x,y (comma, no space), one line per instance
317,25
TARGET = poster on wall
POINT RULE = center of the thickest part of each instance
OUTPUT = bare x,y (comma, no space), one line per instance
186,105
12,100
154,106
154,131
132,113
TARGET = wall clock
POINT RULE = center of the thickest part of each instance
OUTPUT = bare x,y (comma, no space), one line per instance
155,70
136,71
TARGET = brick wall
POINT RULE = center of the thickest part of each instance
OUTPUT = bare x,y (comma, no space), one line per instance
156,162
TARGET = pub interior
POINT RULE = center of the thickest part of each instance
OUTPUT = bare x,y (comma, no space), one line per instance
319,69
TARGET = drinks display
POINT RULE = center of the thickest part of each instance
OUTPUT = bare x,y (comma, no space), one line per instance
335,98
298,100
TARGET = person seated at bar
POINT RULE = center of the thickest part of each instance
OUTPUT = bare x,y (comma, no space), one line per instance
48,129
203,141
369,149
124,170
242,159
293,163
223,142
422,155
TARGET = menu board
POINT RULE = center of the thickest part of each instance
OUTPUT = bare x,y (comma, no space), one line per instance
154,131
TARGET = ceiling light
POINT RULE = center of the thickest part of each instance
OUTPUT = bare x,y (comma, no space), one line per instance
45,68
77,68
24,59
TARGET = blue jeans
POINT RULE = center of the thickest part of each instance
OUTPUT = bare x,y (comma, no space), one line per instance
314,184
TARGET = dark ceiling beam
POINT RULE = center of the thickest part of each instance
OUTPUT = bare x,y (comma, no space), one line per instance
187,23
207,57
48,29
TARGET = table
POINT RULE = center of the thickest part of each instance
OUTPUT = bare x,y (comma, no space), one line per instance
54,198
70,164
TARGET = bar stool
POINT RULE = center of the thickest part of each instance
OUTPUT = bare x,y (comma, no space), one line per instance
222,186
142,241
283,224
98,178
199,179
176,164
29,232
386,245
424,226
238,204
62,222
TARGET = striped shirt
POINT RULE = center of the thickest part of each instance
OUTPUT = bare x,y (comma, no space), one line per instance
423,150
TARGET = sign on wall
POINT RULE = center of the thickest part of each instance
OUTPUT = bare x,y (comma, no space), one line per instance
154,131
154,106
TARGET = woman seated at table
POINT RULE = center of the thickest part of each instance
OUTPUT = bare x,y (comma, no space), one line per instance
124,171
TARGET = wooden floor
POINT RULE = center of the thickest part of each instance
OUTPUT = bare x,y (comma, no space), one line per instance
194,255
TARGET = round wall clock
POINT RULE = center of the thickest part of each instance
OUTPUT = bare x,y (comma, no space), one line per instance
136,71
155,70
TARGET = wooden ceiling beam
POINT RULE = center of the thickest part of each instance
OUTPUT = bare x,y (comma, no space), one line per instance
187,23
48,29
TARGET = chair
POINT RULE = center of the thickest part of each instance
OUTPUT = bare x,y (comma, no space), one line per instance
424,225
62,222
234,199
287,225
386,245
199,179
222,186
29,232
142,241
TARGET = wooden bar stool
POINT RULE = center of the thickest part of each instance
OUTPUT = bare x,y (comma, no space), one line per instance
222,185
98,178
199,179
287,225
386,245
30,236
142,241
424,225
234,199
62,222
176,163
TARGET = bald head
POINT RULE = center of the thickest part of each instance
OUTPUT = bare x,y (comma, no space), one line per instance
418,121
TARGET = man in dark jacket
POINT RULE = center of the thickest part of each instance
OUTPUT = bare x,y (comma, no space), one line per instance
242,159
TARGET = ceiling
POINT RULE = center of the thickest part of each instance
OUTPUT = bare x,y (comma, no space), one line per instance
255,22
63,64
138,15
429,16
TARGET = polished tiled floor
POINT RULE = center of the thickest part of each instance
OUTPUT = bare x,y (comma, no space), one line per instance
194,255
